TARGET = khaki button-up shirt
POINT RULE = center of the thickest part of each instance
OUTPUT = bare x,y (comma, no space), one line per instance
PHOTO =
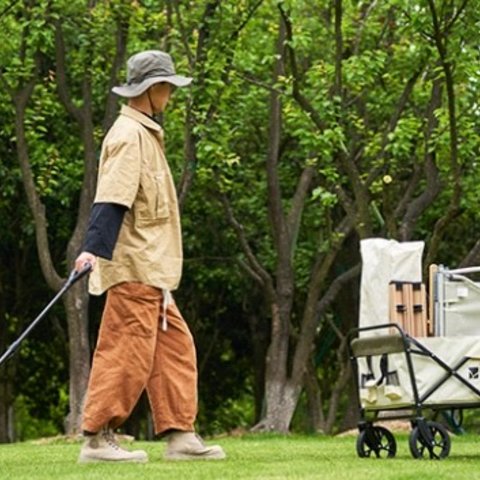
134,172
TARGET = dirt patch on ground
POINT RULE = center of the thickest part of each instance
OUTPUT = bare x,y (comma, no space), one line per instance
399,426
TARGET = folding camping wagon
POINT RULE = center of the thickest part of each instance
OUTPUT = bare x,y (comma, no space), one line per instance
424,357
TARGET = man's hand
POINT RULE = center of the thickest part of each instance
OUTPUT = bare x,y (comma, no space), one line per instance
83,259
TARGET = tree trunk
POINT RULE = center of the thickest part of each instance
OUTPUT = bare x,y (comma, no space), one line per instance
281,393
7,431
351,414
283,382
259,337
316,419
281,401
76,307
7,370
76,300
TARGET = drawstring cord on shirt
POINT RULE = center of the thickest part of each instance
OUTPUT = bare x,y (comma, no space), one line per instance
167,300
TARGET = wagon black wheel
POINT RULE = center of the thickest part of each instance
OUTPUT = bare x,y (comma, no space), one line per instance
376,441
434,442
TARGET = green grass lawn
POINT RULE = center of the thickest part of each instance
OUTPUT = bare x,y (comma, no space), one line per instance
249,457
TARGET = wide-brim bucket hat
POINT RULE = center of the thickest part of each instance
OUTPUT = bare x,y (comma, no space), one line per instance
146,68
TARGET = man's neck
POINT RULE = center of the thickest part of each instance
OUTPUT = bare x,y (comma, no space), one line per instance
142,104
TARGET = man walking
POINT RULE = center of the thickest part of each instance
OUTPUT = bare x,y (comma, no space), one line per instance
134,245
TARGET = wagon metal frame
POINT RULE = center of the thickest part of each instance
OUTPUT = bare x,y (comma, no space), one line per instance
428,439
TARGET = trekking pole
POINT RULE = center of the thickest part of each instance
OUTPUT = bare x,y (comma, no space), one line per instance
73,278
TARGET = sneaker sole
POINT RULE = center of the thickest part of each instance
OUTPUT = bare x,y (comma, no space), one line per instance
186,456
112,460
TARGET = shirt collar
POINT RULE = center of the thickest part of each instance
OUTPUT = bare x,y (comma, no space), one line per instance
144,119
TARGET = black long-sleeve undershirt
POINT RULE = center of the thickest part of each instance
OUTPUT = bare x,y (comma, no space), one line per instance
103,229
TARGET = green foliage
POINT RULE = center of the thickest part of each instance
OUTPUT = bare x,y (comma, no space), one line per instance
233,413
27,426
55,155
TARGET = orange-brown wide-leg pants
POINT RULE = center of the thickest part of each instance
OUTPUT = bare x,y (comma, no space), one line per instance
133,353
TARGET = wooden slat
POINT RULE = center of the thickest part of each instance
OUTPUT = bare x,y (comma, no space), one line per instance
408,307
432,271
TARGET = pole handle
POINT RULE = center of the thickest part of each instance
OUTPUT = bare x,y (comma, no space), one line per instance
77,275
73,277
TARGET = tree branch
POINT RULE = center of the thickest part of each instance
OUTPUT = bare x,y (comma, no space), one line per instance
20,100
415,208
247,18
454,206
334,289
296,91
281,236
196,63
338,48
225,77
251,272
453,20
363,20
8,8
473,256
298,203
392,123
184,35
61,76
253,263
121,36
319,274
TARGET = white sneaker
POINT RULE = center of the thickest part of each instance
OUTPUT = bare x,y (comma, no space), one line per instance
103,447
189,446
368,395
393,392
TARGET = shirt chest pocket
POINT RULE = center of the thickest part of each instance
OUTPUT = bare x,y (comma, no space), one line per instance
153,201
